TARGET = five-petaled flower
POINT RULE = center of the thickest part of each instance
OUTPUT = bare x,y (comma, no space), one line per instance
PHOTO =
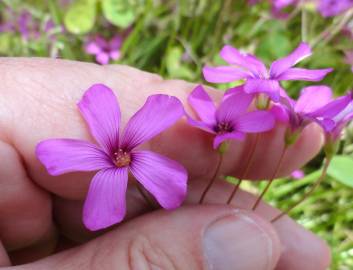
258,78
105,204
104,50
314,104
334,127
231,120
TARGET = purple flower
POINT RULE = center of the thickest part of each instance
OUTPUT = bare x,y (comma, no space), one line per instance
297,174
329,8
281,4
231,120
334,127
114,156
27,26
258,78
104,50
313,105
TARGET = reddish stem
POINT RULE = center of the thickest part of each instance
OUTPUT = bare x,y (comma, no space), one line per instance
213,179
278,167
144,195
306,195
246,170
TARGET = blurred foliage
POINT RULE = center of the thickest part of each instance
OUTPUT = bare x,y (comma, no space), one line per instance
177,38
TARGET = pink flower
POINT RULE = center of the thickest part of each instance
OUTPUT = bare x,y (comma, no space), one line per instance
104,50
334,127
280,4
258,78
314,104
297,174
114,156
329,8
231,120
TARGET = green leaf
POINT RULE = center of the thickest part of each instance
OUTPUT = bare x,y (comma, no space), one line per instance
341,169
174,65
5,42
119,12
80,16
232,180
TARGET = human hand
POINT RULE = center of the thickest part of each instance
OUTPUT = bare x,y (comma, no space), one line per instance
41,214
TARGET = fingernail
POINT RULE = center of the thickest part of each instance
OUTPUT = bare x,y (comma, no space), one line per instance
239,242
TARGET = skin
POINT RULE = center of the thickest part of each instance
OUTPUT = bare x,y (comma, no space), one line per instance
41,214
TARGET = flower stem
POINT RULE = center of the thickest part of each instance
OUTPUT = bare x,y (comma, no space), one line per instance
213,179
328,34
306,195
278,167
246,170
148,200
304,25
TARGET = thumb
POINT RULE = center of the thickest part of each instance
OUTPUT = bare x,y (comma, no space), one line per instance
197,237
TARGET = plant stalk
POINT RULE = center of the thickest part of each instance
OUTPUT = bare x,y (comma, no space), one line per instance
306,195
278,167
213,179
246,170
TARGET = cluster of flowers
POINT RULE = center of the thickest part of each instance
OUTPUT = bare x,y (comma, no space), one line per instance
104,50
327,8
253,107
32,29
27,26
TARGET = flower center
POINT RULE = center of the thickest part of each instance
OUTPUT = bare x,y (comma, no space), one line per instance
224,127
122,158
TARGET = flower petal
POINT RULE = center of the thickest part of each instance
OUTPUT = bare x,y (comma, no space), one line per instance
281,65
327,124
302,74
227,136
329,8
247,61
346,112
223,74
102,58
312,98
92,48
115,55
115,42
105,203
234,105
100,108
101,42
202,104
281,113
333,108
269,87
157,114
201,125
164,178
66,155
254,122
232,91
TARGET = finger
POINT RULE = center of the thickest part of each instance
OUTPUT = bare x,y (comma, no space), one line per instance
4,258
53,89
299,246
301,249
198,237
25,209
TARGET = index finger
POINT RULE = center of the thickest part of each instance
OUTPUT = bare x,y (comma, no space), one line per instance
40,96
